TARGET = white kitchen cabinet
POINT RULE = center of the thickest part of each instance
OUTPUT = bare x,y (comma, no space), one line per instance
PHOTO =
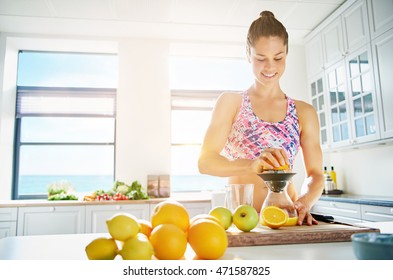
333,42
383,57
362,97
96,215
352,100
381,16
346,33
372,213
8,217
196,208
314,58
318,101
51,220
341,211
355,26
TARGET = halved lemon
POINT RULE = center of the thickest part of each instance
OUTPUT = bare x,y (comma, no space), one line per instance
274,217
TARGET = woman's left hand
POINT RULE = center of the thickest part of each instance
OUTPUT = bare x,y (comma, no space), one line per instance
304,214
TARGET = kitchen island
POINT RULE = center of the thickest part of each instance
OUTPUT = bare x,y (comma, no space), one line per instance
72,247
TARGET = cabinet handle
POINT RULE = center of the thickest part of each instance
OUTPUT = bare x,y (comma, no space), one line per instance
391,210
52,209
118,207
332,204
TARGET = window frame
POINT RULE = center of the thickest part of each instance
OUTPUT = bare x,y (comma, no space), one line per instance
18,126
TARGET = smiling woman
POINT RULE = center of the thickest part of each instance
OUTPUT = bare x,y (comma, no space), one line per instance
65,122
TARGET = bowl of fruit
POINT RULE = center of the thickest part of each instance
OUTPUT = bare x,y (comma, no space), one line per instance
373,246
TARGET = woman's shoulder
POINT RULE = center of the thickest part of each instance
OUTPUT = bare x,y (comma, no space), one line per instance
230,97
303,107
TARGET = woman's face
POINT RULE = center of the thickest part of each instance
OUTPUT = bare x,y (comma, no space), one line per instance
268,57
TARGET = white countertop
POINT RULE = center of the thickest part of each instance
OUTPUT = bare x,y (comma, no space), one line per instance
72,247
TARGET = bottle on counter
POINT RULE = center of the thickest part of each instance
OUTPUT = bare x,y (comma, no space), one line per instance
325,172
333,175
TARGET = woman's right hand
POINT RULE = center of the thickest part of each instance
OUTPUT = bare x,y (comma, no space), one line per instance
270,158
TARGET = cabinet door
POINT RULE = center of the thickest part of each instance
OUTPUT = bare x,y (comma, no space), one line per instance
376,213
383,57
318,94
314,56
363,104
340,133
7,229
96,215
341,211
332,39
196,208
381,16
51,220
8,214
355,25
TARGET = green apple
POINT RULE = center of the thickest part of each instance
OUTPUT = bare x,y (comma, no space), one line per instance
223,214
245,217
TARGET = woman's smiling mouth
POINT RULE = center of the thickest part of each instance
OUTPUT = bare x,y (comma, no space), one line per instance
269,75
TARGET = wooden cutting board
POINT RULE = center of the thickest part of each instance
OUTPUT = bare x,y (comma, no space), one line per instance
323,232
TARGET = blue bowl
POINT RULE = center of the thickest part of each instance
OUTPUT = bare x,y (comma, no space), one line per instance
373,246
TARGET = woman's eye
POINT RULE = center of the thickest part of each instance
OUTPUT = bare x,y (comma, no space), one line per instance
278,59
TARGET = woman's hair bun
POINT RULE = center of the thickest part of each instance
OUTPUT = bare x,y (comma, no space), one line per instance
266,14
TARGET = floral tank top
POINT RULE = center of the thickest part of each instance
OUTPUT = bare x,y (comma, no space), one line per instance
250,135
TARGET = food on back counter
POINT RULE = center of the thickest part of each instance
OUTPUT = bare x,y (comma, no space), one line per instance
62,190
120,191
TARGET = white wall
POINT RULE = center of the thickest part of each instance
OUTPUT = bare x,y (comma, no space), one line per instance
143,110
364,171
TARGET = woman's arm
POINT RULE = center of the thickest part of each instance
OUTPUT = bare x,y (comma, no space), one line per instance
210,161
312,156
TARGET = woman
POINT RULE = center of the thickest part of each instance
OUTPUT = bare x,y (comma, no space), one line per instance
263,128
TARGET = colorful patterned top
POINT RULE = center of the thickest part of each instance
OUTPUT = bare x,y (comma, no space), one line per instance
250,135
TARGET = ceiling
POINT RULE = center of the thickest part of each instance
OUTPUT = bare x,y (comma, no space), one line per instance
200,20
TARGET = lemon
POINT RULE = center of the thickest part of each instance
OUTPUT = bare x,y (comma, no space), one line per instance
137,248
102,249
123,226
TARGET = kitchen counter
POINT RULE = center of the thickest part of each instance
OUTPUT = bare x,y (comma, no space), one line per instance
360,199
71,247
180,197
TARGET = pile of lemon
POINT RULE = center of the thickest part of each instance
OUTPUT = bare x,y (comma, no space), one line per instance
165,236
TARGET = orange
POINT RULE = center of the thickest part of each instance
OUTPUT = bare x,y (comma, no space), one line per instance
283,167
204,216
274,217
146,227
292,221
208,239
170,212
169,242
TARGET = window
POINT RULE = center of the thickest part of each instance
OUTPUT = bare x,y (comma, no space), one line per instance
195,85
65,122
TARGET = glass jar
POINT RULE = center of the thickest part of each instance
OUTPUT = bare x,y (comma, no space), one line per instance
277,183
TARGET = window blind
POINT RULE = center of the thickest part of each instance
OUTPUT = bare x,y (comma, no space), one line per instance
50,101
193,100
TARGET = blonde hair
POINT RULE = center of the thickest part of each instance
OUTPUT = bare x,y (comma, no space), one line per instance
265,26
